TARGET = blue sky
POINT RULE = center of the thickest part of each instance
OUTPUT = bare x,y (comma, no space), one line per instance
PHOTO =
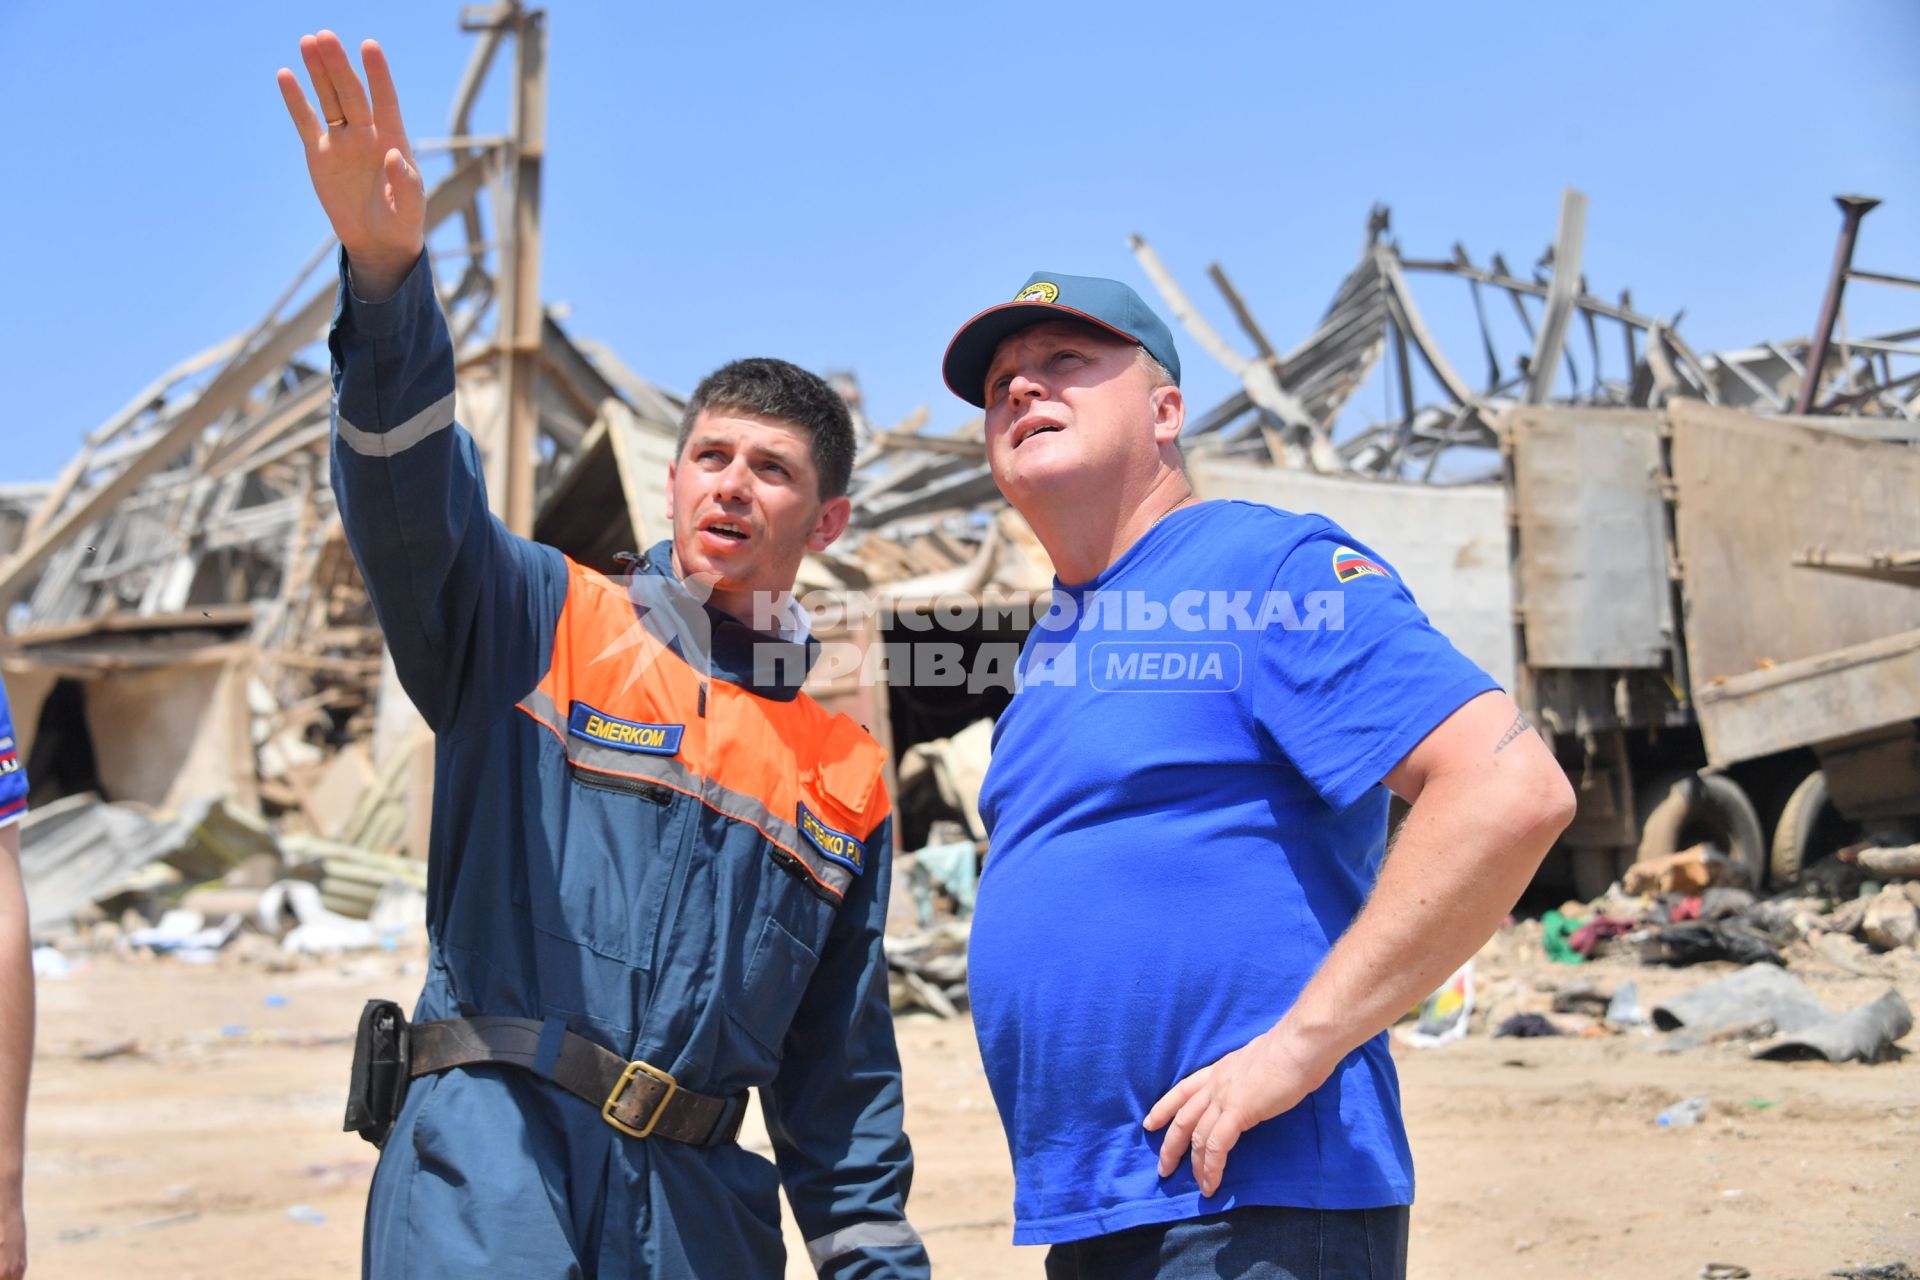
842,184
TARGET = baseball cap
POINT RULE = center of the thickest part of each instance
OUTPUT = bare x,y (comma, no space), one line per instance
1048,295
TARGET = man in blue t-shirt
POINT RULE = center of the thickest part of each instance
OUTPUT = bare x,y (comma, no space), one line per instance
16,1002
1188,922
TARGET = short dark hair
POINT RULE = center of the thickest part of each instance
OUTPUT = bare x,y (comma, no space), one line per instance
776,389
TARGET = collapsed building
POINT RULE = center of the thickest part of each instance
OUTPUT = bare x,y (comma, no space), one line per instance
184,620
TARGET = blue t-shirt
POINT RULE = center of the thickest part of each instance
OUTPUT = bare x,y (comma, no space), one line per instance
1186,810
13,770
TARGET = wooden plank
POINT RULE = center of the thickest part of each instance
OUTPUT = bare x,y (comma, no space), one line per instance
247,443
931,444
1244,315
1183,310
1592,580
213,617
1562,292
1752,495
1416,327
642,456
1815,700
519,318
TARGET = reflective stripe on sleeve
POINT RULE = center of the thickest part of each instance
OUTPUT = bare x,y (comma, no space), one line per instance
896,1232
437,416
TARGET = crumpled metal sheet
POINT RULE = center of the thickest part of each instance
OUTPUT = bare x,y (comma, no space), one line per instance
1865,1034
1802,1025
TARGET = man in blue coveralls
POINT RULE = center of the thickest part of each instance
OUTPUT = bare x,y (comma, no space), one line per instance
1188,920
657,875
16,1002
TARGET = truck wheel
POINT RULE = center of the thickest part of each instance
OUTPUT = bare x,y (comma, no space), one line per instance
1800,824
1709,807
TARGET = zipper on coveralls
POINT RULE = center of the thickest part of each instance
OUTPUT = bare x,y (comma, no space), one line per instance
693,749
619,783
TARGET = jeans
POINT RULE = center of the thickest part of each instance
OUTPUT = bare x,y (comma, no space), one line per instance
1253,1243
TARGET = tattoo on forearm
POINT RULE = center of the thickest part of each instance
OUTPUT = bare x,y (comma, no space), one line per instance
1514,730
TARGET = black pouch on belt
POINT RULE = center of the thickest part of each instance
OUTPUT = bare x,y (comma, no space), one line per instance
380,1072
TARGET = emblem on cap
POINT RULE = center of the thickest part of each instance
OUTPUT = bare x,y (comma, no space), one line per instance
1038,291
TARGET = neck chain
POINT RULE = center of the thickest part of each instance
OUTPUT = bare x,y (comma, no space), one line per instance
1185,498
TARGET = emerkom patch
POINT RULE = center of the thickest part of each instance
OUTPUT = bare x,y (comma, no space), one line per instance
624,735
837,845
1349,564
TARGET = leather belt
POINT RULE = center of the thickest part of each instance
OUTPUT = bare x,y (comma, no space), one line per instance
637,1098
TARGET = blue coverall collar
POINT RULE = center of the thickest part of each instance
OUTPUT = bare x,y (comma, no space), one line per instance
764,664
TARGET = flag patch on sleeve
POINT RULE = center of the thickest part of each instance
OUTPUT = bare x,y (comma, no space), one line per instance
1349,564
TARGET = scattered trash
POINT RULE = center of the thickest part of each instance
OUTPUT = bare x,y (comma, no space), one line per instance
396,908
1757,993
1526,1026
340,1173
48,963
1698,941
1886,1271
1690,871
1681,1115
1624,1009
234,1030
1844,953
1799,1023
1901,863
275,1001
951,866
1592,937
928,970
1444,1014
1580,998
1891,920
1865,1034
186,935
75,1234
1725,901
1557,931
306,1213
1724,1271
115,1049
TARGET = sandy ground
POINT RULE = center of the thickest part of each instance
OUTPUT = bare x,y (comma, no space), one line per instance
206,1142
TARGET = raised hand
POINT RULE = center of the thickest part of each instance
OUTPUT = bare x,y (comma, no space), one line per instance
361,166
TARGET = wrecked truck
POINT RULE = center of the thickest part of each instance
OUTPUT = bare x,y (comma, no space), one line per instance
1716,626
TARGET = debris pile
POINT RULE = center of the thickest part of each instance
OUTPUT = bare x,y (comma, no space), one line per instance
1290,408
1837,924
118,877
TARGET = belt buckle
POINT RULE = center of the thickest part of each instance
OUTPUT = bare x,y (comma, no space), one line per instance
637,1068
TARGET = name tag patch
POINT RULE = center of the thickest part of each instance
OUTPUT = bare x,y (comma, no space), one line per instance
624,735
836,845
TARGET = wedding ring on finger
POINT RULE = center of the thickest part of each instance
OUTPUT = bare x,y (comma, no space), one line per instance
336,124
